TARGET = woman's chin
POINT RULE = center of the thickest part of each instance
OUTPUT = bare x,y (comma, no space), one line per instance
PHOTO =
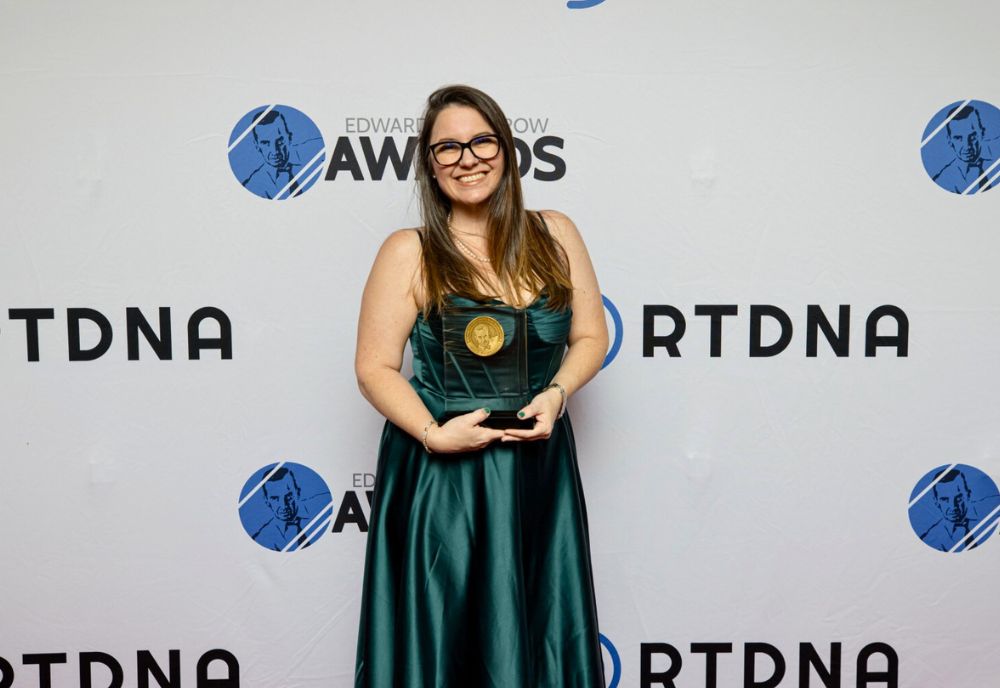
472,197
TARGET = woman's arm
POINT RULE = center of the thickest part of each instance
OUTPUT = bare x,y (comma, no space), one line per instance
388,310
588,333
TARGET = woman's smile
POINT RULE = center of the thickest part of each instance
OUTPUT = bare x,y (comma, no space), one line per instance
470,179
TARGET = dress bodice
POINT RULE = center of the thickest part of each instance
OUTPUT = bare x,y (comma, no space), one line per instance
548,331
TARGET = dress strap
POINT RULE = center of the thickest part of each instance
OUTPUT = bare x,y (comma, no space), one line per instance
542,218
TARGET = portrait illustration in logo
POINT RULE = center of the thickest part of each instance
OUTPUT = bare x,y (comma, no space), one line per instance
960,148
285,507
954,508
276,152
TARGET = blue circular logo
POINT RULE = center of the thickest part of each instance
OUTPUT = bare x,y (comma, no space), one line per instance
616,325
285,506
276,152
616,662
954,508
960,147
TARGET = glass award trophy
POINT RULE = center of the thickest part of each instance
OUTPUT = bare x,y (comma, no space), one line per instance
486,363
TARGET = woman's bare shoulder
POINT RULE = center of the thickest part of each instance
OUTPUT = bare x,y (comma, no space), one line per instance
400,250
404,241
398,264
561,227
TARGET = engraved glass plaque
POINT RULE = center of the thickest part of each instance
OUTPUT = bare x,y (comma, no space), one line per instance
486,363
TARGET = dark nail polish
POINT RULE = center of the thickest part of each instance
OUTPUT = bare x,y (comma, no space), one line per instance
487,409
520,414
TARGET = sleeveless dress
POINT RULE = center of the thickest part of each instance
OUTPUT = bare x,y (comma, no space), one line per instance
478,573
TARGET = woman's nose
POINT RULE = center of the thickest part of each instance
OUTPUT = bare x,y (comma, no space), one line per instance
469,160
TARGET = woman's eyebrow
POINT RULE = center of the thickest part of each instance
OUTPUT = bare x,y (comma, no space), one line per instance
474,136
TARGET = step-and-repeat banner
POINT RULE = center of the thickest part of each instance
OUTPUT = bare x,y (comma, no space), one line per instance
790,457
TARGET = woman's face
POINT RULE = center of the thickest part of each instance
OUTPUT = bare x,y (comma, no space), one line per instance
470,181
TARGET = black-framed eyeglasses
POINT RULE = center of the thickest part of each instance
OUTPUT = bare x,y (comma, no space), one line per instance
485,147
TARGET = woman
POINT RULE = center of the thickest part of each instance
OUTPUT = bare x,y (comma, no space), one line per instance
478,561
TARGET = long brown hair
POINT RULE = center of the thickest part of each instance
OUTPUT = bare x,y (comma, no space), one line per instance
523,254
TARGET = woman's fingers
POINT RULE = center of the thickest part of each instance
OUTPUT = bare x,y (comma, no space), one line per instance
492,434
465,433
534,434
476,417
529,411
539,432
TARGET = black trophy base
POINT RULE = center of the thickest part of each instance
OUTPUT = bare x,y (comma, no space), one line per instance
499,420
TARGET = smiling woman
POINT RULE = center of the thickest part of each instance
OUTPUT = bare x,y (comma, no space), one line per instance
478,565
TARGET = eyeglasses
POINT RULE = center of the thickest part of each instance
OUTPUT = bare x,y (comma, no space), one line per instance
448,153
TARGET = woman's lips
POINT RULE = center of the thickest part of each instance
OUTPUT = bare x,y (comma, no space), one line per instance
470,179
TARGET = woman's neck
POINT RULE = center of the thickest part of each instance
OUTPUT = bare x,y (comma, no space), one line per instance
470,220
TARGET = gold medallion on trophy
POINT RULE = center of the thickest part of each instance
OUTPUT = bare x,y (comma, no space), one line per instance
484,336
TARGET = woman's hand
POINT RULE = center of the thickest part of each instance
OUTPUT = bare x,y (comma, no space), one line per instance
462,433
544,408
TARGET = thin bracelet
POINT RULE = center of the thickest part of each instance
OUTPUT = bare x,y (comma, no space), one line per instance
562,393
423,438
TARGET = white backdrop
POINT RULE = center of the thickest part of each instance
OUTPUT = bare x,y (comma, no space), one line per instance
714,152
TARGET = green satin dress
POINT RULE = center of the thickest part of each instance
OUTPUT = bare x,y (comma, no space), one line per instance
478,571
